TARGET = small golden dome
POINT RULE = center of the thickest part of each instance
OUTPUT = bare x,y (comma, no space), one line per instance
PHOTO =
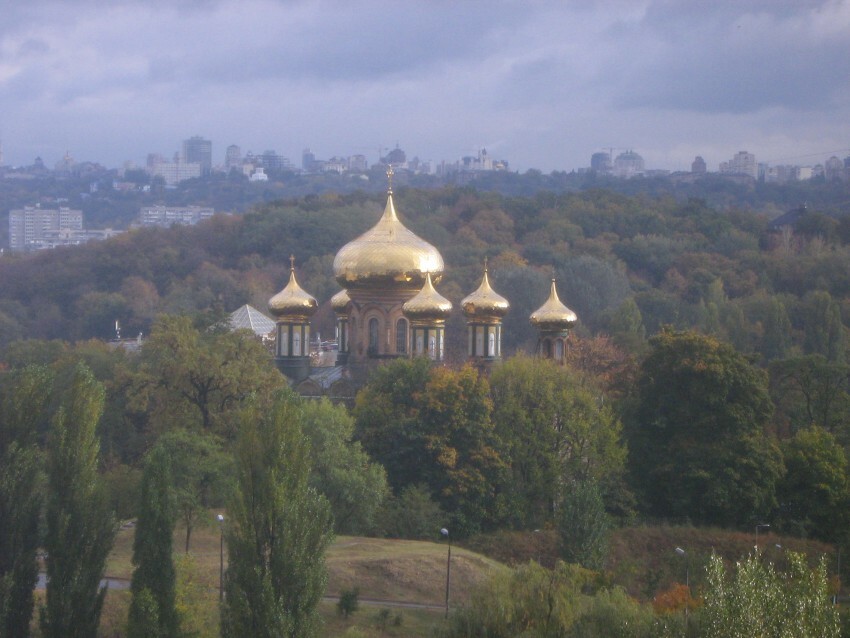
553,315
293,302
387,255
428,304
485,303
340,301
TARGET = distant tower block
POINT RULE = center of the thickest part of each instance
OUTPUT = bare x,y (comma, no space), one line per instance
293,308
553,321
427,313
484,310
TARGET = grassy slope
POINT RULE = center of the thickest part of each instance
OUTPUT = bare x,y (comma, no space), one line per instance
641,559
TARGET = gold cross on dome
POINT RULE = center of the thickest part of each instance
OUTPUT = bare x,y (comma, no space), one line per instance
390,174
292,262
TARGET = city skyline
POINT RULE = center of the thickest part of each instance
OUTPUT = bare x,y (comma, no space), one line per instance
542,85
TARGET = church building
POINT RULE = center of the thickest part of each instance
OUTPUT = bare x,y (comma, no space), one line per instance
389,307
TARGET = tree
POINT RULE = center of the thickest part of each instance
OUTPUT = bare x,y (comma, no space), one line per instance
23,405
812,391
815,492
200,378
152,611
554,432
583,526
200,470
80,527
354,486
432,425
756,600
277,531
697,443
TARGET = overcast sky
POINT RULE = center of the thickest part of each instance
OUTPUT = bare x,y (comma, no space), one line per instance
542,84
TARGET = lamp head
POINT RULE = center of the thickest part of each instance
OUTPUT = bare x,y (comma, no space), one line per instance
220,518
680,551
444,532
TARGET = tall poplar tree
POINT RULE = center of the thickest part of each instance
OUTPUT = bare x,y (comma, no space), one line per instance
153,613
23,407
80,526
277,529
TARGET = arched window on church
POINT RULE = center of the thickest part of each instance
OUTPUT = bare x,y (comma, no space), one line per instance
401,336
373,335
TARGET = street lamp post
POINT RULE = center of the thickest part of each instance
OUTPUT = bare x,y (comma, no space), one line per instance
681,552
760,526
220,519
445,533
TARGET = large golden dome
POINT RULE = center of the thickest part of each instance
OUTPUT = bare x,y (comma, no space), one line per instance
485,303
293,302
387,256
427,304
553,315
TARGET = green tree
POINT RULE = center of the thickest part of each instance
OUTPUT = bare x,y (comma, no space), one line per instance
554,432
201,472
277,531
200,378
341,470
697,443
823,328
812,391
756,600
583,526
22,407
152,611
815,492
80,526
432,425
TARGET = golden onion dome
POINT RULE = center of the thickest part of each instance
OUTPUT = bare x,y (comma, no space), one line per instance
553,315
293,302
485,303
427,304
340,301
387,255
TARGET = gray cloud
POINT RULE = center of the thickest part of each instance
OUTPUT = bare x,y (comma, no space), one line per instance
551,81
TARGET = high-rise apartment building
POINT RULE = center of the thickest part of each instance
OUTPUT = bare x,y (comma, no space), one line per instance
197,150
698,165
34,228
743,163
166,216
233,158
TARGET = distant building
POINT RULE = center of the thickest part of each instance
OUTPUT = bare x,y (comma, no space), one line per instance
233,158
166,216
259,175
628,164
358,163
197,150
698,166
33,228
833,169
601,162
173,172
308,161
396,158
271,161
743,163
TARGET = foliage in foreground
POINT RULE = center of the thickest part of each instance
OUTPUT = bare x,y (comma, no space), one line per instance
759,601
80,526
277,531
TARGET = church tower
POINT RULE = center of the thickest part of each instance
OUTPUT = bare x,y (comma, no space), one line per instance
292,308
484,310
553,321
381,270
340,303
427,312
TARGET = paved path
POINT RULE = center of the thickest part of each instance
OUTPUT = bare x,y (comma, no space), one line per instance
124,584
